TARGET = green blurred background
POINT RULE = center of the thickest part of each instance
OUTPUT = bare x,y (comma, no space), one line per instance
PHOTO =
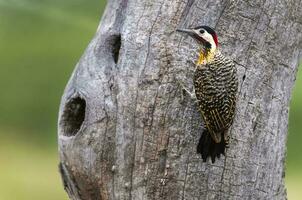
40,43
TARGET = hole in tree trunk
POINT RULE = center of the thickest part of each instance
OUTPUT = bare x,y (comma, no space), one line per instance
73,116
116,47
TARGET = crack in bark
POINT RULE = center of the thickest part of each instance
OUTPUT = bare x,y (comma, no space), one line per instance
221,13
132,169
187,9
70,184
185,181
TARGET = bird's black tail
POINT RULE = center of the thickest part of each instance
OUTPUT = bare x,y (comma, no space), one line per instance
207,147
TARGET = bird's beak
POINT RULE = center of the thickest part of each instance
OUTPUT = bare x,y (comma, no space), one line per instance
187,31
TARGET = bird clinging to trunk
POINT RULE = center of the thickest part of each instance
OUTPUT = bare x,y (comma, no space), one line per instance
215,85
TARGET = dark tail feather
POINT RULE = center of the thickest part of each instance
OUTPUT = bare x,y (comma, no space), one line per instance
208,148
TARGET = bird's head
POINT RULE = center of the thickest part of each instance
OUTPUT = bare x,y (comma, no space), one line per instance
207,38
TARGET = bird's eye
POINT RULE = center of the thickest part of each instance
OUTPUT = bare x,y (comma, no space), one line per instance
201,31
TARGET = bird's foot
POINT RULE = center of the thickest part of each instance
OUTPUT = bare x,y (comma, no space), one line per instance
227,141
191,94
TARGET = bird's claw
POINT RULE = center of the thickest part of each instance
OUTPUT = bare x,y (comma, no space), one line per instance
192,94
227,141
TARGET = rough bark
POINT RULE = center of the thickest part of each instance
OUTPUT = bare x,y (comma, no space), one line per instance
127,130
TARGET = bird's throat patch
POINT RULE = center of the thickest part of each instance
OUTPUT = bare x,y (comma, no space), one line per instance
201,58
205,57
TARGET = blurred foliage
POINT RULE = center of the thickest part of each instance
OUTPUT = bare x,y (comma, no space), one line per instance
40,43
28,170
294,148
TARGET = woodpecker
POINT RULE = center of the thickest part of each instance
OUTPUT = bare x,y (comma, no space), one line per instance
215,84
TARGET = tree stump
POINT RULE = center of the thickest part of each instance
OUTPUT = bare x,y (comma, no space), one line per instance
127,130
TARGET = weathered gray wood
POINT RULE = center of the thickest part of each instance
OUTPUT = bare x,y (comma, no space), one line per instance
128,131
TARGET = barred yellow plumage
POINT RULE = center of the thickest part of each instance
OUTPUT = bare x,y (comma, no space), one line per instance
216,85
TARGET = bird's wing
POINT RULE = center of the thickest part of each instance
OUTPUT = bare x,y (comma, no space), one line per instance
216,95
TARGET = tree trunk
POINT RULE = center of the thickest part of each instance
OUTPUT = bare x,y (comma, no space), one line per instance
127,130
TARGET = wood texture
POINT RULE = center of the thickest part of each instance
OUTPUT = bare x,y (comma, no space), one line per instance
127,130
